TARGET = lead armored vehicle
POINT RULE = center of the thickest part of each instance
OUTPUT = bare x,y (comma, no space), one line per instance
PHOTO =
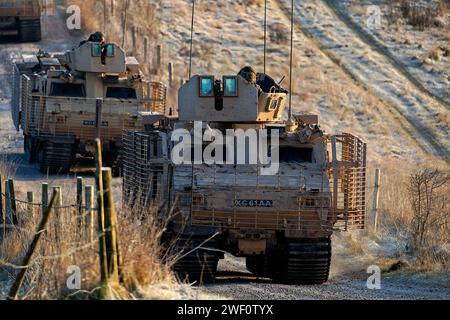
63,101
280,221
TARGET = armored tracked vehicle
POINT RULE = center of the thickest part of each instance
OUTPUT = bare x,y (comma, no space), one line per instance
280,220
63,101
21,18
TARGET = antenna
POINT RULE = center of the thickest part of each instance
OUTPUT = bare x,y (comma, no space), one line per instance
265,34
291,60
192,38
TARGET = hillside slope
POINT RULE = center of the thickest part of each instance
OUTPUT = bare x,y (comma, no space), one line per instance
229,35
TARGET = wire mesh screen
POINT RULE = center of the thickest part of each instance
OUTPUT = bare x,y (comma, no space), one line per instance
144,170
54,116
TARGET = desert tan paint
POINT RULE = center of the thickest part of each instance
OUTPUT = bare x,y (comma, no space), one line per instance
246,107
82,60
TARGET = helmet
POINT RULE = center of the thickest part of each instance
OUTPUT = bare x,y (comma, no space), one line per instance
97,37
249,74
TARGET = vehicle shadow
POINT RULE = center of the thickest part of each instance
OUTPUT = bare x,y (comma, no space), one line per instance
21,170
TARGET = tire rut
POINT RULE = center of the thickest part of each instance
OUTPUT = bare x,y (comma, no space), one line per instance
421,134
381,49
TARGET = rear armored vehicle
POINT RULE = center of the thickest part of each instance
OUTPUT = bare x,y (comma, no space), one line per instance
63,101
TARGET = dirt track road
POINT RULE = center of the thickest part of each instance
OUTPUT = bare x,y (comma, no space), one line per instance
235,282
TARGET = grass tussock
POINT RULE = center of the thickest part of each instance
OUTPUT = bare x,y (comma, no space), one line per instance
434,54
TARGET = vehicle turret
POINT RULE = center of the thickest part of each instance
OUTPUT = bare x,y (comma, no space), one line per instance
231,99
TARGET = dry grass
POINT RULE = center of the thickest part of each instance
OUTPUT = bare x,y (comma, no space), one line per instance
8,168
140,14
67,242
146,262
258,3
397,218
421,16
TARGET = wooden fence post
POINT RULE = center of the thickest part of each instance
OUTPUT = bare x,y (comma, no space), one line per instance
134,32
8,218
170,66
110,226
30,204
376,197
89,221
101,212
80,196
12,199
98,117
145,49
44,197
14,291
58,218
113,11
158,57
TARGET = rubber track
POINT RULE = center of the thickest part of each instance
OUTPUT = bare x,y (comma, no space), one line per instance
307,262
199,266
56,158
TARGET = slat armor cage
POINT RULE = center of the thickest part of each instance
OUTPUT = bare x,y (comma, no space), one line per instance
349,198
47,116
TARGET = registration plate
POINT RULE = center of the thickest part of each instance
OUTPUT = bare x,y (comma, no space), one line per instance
249,203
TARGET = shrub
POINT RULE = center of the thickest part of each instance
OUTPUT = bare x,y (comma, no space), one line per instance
430,224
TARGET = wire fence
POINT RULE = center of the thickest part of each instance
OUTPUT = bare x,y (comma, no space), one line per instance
69,238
